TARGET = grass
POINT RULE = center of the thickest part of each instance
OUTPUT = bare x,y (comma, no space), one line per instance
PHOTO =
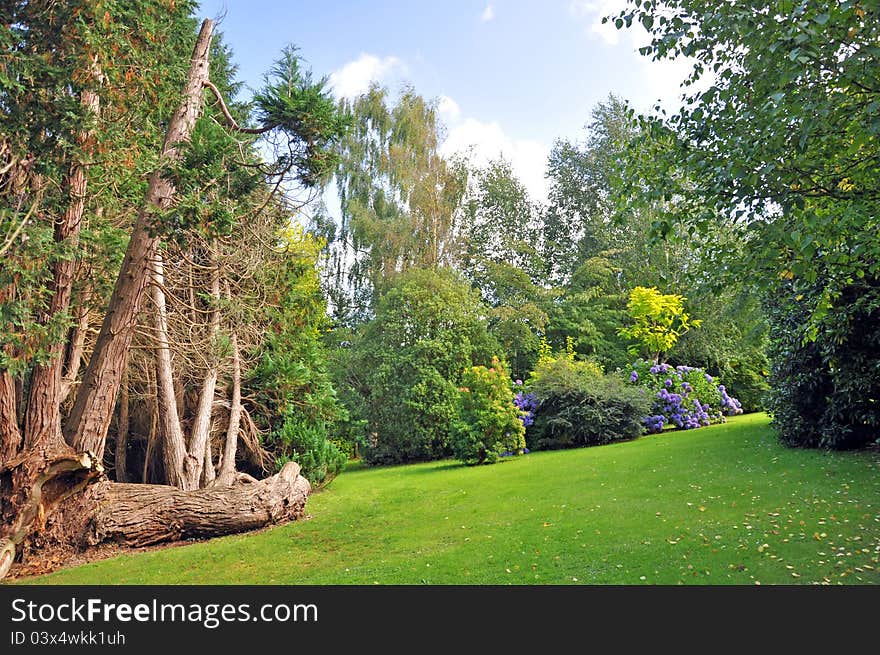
719,505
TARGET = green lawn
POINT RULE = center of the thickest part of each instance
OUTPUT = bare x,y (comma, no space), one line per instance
719,505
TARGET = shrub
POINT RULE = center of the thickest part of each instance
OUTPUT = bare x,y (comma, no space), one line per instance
488,423
306,443
825,390
579,406
562,369
683,396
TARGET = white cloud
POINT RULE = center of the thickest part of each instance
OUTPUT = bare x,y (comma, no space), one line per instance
354,78
448,109
657,80
592,12
484,142
488,14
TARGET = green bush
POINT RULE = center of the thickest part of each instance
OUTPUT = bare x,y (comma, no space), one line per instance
579,406
488,423
306,443
825,391
563,372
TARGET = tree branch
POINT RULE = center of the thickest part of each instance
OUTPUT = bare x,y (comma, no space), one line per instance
231,122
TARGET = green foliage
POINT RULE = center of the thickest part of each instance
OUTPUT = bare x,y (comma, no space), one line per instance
500,256
587,415
588,312
404,370
399,196
290,384
731,344
502,226
306,443
304,111
487,424
826,390
782,142
562,369
659,320
132,56
214,185
580,406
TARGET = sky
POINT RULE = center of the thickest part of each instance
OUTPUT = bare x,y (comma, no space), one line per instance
510,76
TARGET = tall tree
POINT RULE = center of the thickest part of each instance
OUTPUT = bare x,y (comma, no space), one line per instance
783,138
501,258
400,198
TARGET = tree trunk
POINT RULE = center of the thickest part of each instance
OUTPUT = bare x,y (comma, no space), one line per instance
146,514
89,419
201,428
36,480
143,515
42,424
208,472
122,427
174,455
75,349
153,437
227,463
10,435
35,488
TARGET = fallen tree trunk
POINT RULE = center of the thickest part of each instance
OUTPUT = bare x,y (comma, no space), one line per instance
144,515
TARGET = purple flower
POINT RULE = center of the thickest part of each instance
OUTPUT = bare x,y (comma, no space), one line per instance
633,376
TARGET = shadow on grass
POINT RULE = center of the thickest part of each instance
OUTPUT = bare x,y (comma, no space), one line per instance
443,465
411,468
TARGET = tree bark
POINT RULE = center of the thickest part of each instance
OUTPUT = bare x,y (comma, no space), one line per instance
10,434
153,437
174,455
76,348
208,472
201,427
122,427
146,514
89,419
42,425
227,464
37,487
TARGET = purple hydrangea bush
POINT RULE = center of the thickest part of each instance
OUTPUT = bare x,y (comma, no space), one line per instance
683,396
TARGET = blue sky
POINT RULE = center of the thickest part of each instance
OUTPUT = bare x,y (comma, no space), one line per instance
511,76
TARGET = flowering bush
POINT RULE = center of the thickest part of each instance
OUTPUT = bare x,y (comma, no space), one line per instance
683,396
488,424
